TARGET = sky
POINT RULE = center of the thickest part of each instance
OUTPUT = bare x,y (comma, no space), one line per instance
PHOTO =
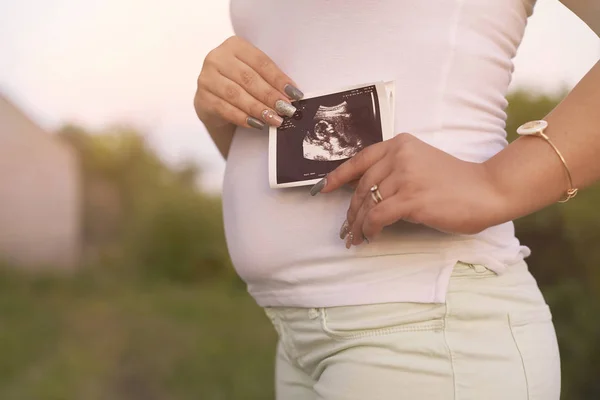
136,61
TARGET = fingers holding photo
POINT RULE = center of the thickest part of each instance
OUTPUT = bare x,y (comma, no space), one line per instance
226,111
352,170
323,144
256,86
244,80
264,67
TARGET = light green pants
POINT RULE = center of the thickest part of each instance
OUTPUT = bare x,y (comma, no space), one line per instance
493,339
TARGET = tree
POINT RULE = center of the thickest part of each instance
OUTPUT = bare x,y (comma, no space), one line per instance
148,214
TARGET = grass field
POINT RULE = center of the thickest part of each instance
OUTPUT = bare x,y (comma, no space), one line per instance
92,337
101,335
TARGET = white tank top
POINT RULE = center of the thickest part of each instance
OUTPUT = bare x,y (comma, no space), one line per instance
452,64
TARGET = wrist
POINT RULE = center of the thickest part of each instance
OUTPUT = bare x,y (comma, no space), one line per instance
521,191
217,125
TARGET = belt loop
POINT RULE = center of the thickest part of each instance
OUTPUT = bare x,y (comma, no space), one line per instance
313,313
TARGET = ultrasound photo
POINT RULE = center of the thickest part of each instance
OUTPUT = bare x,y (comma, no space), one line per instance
333,136
326,130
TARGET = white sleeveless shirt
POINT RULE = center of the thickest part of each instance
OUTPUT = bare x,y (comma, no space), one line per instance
452,64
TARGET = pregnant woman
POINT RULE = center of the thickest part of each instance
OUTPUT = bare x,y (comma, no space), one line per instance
428,295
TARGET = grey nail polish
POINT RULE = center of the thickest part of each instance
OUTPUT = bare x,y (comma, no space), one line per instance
293,92
365,239
344,230
318,187
284,108
255,123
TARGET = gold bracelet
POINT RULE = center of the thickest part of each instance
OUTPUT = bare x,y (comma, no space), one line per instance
536,128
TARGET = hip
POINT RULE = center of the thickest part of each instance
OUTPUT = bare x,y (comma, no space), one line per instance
492,338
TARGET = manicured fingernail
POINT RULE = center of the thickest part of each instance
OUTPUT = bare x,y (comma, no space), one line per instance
349,240
272,118
293,92
318,187
284,108
255,123
365,239
344,230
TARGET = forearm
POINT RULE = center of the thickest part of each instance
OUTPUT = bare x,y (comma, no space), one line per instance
221,134
222,137
528,173
587,10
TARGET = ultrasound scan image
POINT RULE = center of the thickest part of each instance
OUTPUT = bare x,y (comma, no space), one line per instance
326,131
333,137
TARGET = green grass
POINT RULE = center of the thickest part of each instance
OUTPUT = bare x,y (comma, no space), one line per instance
103,335
92,337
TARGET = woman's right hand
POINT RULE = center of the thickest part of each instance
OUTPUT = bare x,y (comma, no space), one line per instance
241,85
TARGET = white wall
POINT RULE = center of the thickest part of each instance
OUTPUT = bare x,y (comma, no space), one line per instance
39,194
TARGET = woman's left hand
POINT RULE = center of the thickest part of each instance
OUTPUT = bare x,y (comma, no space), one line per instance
418,183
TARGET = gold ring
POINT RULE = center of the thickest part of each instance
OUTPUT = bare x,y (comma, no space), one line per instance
376,195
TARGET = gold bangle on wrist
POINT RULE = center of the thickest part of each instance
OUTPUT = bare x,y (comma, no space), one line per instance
536,128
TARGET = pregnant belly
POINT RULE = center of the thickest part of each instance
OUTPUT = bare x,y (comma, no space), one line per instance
266,228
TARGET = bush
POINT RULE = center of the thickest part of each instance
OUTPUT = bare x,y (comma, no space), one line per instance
144,214
576,312
181,239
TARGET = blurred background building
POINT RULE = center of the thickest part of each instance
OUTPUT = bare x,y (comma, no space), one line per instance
40,204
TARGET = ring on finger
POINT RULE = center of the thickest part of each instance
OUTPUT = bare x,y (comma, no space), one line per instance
376,194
